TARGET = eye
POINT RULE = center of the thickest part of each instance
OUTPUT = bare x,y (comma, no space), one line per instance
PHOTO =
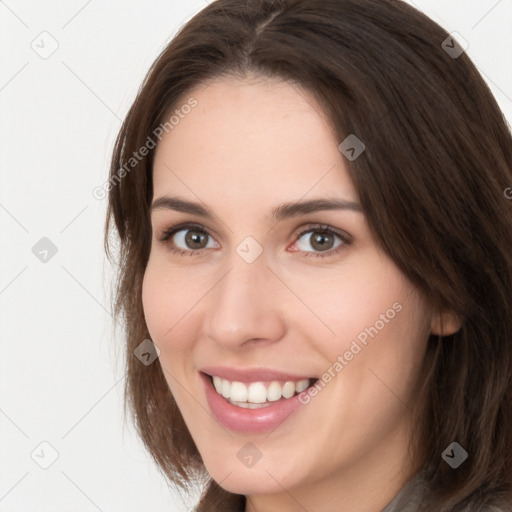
187,239
322,239
191,239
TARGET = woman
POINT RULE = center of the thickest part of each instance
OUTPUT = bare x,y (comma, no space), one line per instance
316,242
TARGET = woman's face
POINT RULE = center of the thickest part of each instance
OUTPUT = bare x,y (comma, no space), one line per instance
278,294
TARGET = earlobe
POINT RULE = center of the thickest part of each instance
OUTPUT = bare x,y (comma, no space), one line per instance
445,323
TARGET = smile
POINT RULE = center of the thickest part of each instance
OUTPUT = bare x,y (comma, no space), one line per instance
258,394
254,406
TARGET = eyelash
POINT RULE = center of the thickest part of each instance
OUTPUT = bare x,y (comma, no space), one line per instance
321,228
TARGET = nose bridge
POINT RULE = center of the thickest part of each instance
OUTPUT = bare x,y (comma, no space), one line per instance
244,304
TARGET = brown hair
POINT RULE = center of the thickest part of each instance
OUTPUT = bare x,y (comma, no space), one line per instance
431,183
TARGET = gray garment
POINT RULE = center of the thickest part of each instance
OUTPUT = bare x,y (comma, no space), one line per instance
409,497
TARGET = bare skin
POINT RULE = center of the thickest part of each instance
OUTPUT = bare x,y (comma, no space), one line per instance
249,146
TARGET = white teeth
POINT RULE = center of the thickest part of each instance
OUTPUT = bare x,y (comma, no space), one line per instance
217,382
239,392
274,392
289,389
226,388
301,385
256,393
249,405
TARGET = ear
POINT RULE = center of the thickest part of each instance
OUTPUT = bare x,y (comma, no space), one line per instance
445,323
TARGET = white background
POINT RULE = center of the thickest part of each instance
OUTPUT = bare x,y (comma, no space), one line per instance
61,374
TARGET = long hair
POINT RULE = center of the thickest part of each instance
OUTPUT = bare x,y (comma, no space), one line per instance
432,182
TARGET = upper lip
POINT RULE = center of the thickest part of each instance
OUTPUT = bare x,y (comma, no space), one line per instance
252,374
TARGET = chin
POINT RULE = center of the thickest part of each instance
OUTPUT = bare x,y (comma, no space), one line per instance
250,481
248,485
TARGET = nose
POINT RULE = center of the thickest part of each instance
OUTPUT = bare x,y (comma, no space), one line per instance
245,306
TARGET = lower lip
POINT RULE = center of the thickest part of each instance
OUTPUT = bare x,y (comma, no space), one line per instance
249,420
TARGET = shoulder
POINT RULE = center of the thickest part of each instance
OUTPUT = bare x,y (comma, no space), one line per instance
410,496
493,508
414,493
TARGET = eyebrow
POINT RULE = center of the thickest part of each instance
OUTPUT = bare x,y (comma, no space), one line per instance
281,212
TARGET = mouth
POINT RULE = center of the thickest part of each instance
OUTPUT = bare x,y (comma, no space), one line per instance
251,406
258,394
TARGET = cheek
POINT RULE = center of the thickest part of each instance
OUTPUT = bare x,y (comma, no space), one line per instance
165,302
153,299
352,298
370,302
167,311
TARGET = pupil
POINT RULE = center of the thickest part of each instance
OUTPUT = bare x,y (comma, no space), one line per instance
194,237
322,240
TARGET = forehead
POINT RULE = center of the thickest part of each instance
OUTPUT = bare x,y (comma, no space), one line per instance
251,140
